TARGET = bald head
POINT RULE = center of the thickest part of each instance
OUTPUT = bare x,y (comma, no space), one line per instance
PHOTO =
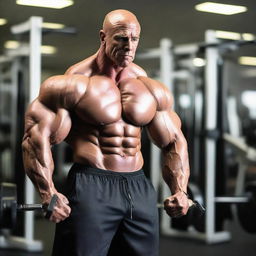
119,37
119,18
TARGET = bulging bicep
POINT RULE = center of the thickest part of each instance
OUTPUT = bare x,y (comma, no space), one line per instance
43,125
164,129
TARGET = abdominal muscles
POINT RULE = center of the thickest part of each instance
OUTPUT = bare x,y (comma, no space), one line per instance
115,146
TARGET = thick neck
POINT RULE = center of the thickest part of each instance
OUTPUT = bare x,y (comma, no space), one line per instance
106,66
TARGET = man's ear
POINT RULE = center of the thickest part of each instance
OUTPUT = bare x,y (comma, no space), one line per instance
102,36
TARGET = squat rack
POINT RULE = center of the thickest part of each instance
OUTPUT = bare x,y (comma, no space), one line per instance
212,46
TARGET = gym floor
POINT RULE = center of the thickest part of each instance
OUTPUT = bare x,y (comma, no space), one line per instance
241,244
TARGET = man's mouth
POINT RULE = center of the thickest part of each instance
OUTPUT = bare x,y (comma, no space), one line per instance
126,56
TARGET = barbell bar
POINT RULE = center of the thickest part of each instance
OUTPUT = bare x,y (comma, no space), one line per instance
245,209
232,199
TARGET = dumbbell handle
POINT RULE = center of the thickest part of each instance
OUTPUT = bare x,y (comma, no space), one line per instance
47,208
191,203
29,207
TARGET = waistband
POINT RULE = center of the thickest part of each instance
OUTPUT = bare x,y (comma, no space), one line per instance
87,169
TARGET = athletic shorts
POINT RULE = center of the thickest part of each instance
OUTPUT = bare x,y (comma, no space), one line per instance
112,214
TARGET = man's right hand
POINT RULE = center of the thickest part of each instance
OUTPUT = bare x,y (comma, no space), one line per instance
61,210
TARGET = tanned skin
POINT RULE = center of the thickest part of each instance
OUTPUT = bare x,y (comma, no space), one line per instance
99,107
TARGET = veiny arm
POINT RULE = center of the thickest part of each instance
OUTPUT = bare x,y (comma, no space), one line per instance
47,122
165,132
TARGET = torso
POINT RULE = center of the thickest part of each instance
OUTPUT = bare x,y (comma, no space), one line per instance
107,123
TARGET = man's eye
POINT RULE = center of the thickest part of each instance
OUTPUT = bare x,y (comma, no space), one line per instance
135,39
122,38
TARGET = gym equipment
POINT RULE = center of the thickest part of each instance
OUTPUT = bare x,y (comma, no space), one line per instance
246,209
9,206
20,78
196,212
196,209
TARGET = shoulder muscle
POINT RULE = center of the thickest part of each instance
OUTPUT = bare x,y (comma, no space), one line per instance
160,92
62,91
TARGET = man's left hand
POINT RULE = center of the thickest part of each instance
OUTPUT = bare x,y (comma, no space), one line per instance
177,205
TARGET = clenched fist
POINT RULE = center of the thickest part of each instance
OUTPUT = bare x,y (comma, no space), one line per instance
61,210
177,205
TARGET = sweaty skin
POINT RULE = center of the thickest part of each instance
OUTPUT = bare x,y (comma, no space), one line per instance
99,107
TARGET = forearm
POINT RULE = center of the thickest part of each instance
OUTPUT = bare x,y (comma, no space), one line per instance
38,164
176,169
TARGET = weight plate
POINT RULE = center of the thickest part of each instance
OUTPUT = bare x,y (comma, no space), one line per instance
8,205
247,211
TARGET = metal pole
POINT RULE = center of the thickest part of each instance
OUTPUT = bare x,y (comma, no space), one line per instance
34,85
210,123
211,90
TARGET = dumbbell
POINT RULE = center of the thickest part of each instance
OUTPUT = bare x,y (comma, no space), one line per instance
195,209
196,212
9,206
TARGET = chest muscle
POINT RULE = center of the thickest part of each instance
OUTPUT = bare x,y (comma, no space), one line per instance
105,102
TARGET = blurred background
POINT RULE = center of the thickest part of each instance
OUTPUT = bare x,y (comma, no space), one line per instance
204,53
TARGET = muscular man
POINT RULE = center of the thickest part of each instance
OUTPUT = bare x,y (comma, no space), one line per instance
99,107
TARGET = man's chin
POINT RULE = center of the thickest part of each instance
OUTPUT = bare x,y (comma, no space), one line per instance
124,63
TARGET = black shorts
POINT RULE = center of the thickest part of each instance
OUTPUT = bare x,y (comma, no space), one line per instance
113,213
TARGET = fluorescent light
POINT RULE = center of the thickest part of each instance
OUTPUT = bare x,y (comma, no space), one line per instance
45,49
48,49
227,35
11,44
245,60
234,36
56,4
248,37
225,9
3,22
53,25
199,62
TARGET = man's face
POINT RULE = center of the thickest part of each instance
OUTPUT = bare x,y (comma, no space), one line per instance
121,43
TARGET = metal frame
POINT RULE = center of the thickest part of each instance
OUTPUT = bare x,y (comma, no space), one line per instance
211,91
11,89
34,27
167,75
212,56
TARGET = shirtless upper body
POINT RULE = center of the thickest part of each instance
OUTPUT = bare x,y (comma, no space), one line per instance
99,107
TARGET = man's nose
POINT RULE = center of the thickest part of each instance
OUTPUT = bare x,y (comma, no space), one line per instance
128,45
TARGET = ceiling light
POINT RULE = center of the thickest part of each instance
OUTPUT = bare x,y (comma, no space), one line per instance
56,4
48,49
227,35
225,9
248,37
198,62
245,60
3,22
45,49
53,25
234,36
11,44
